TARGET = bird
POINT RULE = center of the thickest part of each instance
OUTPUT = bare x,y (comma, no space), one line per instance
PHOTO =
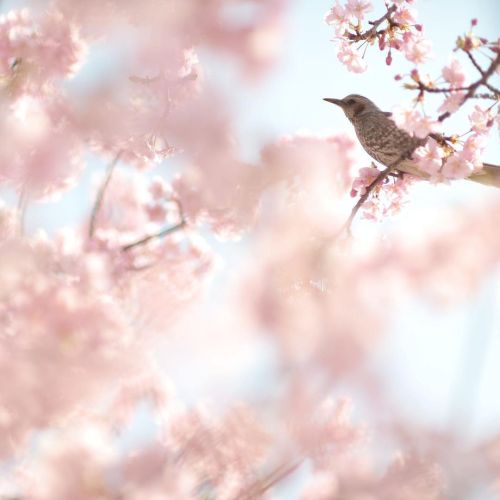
391,146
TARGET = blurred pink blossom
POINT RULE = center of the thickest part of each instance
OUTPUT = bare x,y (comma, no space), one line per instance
456,167
454,73
339,17
351,58
416,48
358,8
430,157
452,102
414,123
405,15
481,120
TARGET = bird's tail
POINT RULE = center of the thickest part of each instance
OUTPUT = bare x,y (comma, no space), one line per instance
489,175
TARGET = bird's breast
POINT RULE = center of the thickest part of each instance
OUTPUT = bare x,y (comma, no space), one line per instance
382,139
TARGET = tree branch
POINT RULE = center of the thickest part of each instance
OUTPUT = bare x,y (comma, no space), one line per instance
367,35
100,194
472,88
161,234
274,477
164,232
379,179
22,205
474,62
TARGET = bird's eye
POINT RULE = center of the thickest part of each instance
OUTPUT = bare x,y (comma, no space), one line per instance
351,101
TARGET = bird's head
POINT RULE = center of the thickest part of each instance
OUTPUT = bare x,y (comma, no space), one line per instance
354,105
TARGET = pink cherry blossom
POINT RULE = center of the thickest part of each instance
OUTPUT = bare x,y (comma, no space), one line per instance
416,48
45,47
405,15
351,58
473,149
141,355
430,157
338,17
456,167
481,120
452,102
454,73
358,8
366,176
414,122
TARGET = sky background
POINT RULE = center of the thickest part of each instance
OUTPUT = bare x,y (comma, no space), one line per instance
443,368
428,354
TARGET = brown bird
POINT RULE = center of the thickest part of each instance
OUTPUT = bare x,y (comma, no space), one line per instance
386,143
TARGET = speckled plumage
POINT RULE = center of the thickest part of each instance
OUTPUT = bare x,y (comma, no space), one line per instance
386,143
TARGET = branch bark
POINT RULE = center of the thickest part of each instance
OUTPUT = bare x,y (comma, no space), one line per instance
367,35
100,194
473,87
164,232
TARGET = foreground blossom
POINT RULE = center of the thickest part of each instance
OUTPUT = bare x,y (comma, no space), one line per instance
430,157
454,73
206,327
414,122
351,58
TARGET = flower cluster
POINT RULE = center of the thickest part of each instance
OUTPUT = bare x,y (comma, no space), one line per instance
396,30
104,322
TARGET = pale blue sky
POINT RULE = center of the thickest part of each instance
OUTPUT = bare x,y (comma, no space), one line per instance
426,354
423,357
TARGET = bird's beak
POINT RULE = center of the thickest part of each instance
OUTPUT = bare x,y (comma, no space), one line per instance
338,102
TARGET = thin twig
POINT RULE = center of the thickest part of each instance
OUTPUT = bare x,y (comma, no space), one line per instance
161,234
379,179
434,90
485,95
474,62
473,87
261,486
481,70
22,205
369,34
493,89
144,80
100,194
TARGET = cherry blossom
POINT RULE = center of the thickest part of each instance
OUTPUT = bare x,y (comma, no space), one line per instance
454,73
366,176
416,48
481,120
414,122
452,102
405,15
142,309
351,59
338,16
358,8
430,157
456,167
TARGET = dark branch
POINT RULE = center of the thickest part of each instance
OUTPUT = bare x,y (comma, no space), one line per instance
433,90
100,194
161,234
372,32
493,89
474,62
164,232
22,205
257,489
482,81
378,180
389,170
